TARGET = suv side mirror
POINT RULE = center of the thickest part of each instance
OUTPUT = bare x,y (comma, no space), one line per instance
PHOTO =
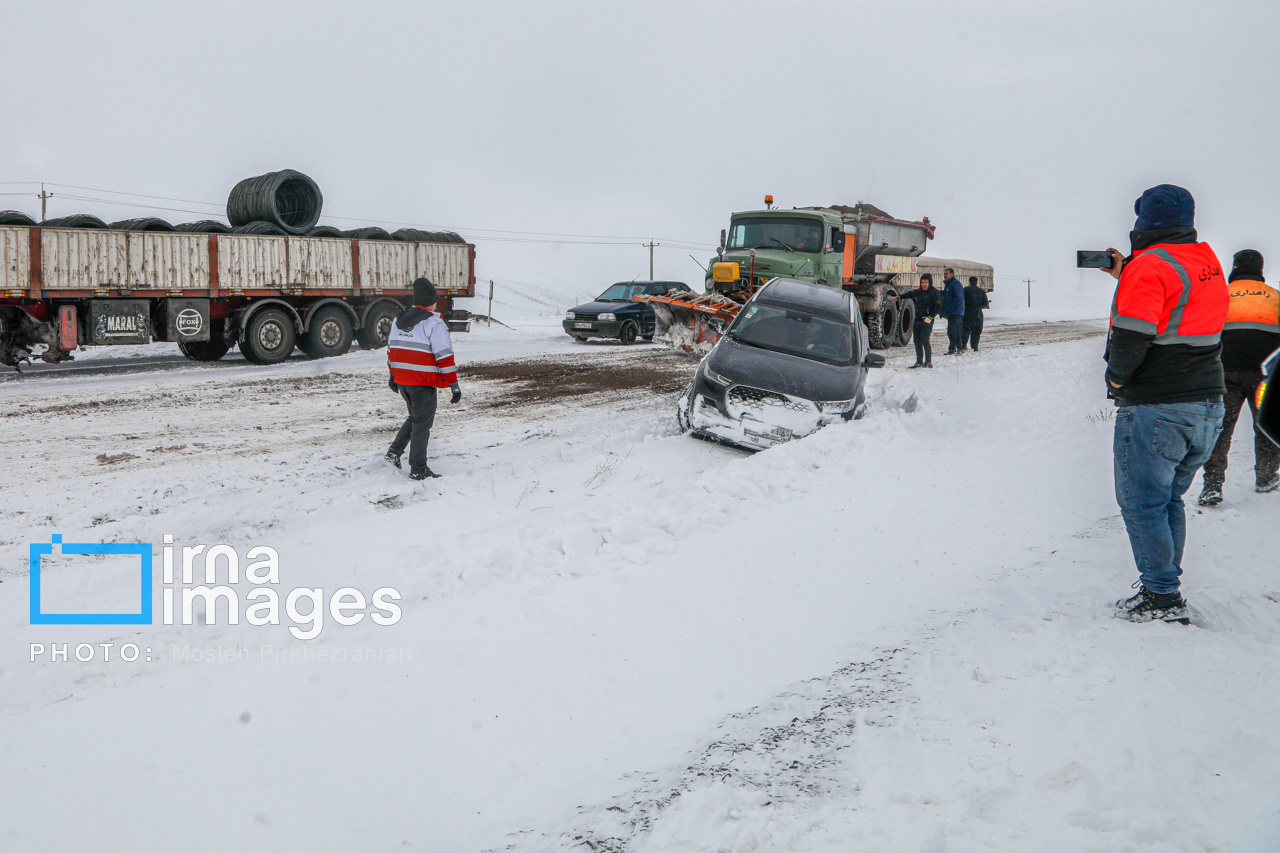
722,239
837,240
873,359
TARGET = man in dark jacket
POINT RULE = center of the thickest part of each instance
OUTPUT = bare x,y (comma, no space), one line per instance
1251,333
953,307
1165,373
928,302
975,300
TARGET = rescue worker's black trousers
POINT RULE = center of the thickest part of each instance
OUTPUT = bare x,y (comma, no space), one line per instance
920,333
416,431
972,331
1241,387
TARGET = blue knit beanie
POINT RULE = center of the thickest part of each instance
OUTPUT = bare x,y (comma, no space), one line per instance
1165,206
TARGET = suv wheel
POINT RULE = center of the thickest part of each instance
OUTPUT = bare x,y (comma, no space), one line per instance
627,334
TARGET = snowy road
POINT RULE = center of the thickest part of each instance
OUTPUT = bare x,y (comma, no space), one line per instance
164,357
891,635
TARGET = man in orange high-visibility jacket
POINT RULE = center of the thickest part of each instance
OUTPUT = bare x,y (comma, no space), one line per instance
420,355
1164,371
1251,334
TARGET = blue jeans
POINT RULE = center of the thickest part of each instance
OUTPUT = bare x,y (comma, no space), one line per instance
1157,450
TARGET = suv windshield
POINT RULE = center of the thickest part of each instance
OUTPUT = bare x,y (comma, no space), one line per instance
795,333
797,235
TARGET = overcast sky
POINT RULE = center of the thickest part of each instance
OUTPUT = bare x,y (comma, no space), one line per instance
1024,130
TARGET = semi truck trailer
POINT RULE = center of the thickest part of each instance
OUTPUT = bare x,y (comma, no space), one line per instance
65,288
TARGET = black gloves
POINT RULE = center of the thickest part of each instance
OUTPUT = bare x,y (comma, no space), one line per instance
457,393
391,383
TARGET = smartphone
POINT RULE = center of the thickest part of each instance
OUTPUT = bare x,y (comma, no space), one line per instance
1093,260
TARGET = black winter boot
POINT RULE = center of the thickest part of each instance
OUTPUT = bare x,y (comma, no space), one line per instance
393,458
1265,486
1148,606
422,474
1211,495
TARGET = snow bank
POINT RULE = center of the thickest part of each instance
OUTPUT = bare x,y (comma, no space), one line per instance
893,634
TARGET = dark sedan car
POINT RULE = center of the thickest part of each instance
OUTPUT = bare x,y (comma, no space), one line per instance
794,360
614,315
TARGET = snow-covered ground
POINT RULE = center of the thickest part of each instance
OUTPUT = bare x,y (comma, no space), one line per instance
892,635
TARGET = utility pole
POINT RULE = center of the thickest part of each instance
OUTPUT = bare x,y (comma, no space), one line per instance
490,317
1028,281
44,197
651,244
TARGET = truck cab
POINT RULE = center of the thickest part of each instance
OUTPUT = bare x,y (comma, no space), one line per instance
802,244
858,248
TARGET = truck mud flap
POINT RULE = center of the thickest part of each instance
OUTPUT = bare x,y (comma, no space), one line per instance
119,321
182,320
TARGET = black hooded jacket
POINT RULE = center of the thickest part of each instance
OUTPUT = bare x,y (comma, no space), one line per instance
928,302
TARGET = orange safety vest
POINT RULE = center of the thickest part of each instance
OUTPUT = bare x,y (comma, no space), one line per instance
1254,305
1175,292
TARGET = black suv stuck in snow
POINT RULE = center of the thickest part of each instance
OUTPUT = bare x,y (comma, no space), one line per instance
614,315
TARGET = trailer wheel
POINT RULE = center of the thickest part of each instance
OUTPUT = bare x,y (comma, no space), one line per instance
906,322
882,327
210,350
329,333
627,334
377,327
268,338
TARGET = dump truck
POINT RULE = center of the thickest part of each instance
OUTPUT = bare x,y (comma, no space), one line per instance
64,287
859,248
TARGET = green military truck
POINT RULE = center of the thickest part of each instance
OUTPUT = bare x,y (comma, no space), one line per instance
859,248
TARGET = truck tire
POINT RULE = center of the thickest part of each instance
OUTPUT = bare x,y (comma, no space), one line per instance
627,334
376,330
268,338
882,326
329,333
906,322
210,350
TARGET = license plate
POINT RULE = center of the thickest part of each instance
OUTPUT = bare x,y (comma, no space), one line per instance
583,325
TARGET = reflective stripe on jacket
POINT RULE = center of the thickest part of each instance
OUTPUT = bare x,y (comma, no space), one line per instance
1254,305
1175,292
423,355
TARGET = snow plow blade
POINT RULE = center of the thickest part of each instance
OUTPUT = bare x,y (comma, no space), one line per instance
692,322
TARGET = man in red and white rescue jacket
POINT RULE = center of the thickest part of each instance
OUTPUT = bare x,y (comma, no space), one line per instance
420,355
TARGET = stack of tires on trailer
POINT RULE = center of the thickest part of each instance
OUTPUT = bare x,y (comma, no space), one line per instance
268,281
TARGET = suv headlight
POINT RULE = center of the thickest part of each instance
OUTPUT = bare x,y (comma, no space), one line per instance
569,315
714,377
607,316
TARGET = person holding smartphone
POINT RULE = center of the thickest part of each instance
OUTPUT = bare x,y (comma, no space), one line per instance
1164,371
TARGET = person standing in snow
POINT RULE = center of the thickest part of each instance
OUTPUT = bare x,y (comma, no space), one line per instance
953,307
928,302
975,301
1164,371
420,356
1251,333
